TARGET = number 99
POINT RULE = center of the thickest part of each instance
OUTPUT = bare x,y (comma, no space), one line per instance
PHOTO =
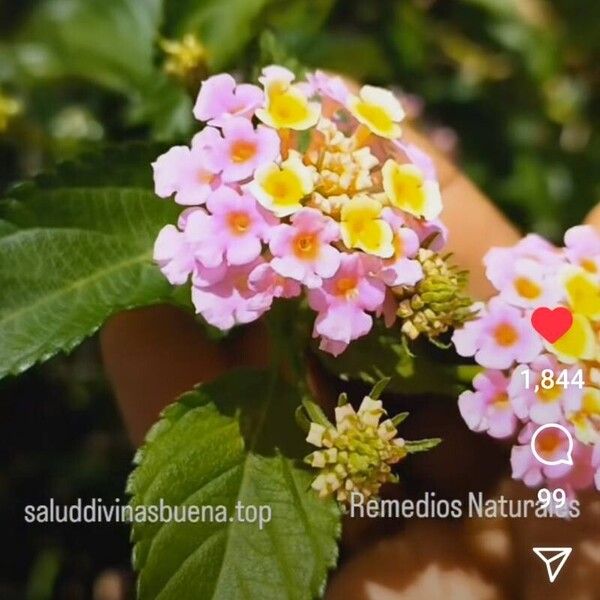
557,498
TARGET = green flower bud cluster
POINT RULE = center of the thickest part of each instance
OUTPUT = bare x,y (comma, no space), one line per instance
357,453
438,302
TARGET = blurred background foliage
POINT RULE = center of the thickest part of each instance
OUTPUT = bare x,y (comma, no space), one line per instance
508,87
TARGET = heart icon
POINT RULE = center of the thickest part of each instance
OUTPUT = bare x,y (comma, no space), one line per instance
552,324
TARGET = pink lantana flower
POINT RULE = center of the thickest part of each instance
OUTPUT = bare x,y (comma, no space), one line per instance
177,250
220,96
389,308
266,280
544,405
174,255
286,179
500,262
583,471
488,408
582,248
343,301
234,230
499,337
184,172
329,86
434,231
302,250
204,276
528,286
417,157
241,149
231,300
552,445
401,269
559,384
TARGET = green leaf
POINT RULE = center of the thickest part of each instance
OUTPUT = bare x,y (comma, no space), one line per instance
271,51
400,418
299,19
77,248
166,106
381,354
379,388
422,445
223,26
110,42
315,413
293,25
353,54
6,228
232,441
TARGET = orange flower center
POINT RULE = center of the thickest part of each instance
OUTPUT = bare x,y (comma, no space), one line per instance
547,443
501,400
589,265
239,223
505,335
398,246
346,286
551,394
527,288
241,151
241,284
306,246
205,177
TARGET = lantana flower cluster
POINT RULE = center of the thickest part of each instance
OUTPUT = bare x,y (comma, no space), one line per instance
356,455
510,397
300,186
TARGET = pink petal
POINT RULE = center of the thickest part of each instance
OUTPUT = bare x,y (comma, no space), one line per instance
243,250
214,97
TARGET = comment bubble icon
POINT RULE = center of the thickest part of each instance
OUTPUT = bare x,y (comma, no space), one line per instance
552,445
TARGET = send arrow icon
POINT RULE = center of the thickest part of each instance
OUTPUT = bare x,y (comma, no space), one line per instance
554,559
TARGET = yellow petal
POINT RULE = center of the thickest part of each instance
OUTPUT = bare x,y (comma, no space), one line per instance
284,187
281,188
587,420
379,110
362,228
583,293
578,343
289,109
407,189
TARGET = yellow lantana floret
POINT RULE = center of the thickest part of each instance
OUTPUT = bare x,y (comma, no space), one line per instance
583,292
363,228
579,343
286,105
587,419
377,109
185,57
281,188
407,189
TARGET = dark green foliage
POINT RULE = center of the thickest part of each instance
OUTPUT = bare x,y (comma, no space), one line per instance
75,248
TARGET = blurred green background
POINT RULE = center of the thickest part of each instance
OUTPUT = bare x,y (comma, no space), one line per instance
507,87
